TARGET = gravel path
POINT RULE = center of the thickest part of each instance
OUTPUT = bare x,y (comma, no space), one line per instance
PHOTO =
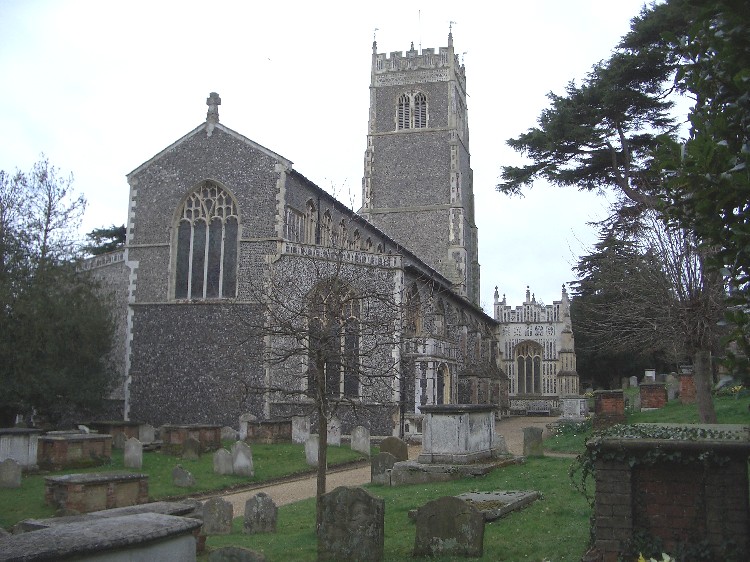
304,487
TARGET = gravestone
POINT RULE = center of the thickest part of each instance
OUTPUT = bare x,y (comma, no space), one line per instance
352,525
624,383
449,526
191,449
334,432
10,474
235,554
300,428
395,446
83,428
532,442
380,466
244,420
242,459
634,381
182,478
228,433
118,440
146,433
311,450
361,440
133,455
260,514
217,517
223,462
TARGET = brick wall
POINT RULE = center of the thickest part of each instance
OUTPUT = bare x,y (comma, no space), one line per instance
687,389
609,408
653,395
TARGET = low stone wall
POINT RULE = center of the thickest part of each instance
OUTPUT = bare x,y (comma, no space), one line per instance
82,493
73,450
174,436
684,487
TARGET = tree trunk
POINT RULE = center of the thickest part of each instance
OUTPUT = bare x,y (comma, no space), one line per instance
322,465
702,375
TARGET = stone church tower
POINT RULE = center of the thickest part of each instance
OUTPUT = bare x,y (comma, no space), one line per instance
417,184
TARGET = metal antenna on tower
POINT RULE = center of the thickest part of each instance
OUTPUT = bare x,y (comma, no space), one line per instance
419,28
374,34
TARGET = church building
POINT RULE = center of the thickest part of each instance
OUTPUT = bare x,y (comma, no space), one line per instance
246,288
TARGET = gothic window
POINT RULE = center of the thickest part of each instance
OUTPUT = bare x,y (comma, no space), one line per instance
342,234
356,244
206,245
529,368
311,221
326,230
368,244
411,111
334,340
293,221
413,312
439,318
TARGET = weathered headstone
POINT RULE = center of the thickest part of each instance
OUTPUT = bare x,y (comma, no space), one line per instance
334,432
634,382
217,517
449,526
228,433
532,442
118,440
10,474
223,462
380,466
624,383
83,428
244,420
191,449
146,433
182,478
311,450
352,525
300,428
133,455
235,554
361,440
395,446
242,459
260,514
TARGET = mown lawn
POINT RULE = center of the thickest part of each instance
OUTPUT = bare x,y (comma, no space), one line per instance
270,462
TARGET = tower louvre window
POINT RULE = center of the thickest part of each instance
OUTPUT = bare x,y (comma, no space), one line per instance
206,245
404,112
420,111
412,111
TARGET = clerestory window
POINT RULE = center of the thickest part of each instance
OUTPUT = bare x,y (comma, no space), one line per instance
206,245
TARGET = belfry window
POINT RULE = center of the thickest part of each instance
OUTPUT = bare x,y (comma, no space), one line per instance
206,241
411,111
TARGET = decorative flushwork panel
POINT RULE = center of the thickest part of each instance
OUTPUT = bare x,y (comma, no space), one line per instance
419,77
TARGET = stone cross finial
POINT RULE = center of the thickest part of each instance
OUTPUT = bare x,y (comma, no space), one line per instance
212,117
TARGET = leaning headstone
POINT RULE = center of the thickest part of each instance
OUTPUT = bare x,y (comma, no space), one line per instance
351,526
228,433
361,440
334,432
191,449
311,450
395,446
532,442
223,462
242,459
10,474
146,433
380,468
244,420
118,441
182,478
235,554
260,514
133,455
217,517
449,526
300,428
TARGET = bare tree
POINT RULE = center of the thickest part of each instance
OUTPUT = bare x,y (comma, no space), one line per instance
647,290
332,333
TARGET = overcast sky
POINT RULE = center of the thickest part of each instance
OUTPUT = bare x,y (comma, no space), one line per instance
99,87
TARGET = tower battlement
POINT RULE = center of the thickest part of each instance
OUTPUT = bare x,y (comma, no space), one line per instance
398,62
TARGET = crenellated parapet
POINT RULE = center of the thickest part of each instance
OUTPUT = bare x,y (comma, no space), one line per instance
415,67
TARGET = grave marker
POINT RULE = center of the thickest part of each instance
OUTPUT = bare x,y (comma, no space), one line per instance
260,514
133,455
449,526
351,526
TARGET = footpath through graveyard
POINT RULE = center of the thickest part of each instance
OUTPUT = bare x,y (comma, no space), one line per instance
301,488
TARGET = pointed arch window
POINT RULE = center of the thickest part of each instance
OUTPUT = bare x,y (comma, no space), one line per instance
404,112
413,311
411,112
206,245
334,340
311,223
529,368
420,111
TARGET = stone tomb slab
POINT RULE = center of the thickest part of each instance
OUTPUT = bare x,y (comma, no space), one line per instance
413,472
495,505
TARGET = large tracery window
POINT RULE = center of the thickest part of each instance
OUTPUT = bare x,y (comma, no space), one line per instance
529,368
411,111
334,340
207,233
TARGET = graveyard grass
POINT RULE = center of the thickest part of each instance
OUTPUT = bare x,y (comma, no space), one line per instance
270,462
